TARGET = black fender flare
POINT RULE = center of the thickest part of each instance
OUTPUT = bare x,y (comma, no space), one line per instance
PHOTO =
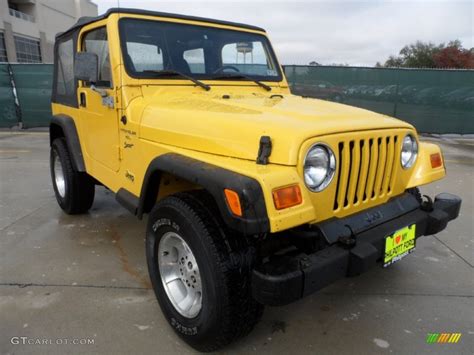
68,127
214,179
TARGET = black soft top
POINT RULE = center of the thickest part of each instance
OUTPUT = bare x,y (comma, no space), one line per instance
86,20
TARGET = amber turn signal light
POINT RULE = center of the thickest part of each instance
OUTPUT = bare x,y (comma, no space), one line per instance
288,196
233,201
436,160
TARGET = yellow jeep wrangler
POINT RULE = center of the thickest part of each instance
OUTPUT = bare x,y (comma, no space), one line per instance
254,196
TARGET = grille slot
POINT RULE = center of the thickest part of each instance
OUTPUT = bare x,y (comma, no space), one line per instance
366,170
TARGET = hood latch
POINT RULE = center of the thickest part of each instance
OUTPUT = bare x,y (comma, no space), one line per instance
264,150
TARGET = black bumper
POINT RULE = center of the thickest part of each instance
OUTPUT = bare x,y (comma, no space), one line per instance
356,243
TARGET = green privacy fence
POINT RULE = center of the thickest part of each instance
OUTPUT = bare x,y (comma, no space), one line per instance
25,94
434,101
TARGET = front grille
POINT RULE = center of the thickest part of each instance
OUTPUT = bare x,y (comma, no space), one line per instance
366,169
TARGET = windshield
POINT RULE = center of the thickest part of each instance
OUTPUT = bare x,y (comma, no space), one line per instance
198,51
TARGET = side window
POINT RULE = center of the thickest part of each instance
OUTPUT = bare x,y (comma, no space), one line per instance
65,84
144,56
196,61
3,49
96,42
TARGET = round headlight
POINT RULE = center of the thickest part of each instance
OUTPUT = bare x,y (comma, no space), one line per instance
319,167
409,151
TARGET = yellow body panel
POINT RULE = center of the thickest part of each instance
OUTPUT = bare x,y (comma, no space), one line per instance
175,116
423,173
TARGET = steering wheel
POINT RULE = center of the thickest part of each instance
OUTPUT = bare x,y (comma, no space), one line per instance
224,67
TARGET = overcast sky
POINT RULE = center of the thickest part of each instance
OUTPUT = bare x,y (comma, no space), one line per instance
352,32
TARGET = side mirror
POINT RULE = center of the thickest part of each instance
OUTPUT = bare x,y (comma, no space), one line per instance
86,67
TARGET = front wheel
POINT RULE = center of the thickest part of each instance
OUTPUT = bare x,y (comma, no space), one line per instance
200,272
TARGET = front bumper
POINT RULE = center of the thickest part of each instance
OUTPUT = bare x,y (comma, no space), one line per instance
356,243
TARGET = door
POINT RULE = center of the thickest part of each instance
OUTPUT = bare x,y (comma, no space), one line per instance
97,104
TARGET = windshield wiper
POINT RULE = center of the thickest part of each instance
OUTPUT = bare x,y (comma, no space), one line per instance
177,73
243,76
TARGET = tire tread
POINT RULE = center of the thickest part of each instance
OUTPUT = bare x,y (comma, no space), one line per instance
234,256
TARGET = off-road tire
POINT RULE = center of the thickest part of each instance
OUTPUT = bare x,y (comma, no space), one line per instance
79,187
224,258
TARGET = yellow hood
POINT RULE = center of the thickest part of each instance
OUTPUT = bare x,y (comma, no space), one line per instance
233,126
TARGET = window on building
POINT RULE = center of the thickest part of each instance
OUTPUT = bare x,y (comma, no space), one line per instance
3,49
13,6
27,50
22,10
96,42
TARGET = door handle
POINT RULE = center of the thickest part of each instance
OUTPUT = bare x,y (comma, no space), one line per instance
82,98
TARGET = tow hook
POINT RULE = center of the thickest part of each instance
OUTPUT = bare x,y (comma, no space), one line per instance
347,241
427,204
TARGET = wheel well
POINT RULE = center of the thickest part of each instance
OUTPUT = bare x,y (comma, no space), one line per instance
162,184
150,192
55,131
189,174
64,126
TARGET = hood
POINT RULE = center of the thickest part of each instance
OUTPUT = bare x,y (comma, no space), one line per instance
233,126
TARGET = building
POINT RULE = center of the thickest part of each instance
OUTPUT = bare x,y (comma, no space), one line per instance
28,27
